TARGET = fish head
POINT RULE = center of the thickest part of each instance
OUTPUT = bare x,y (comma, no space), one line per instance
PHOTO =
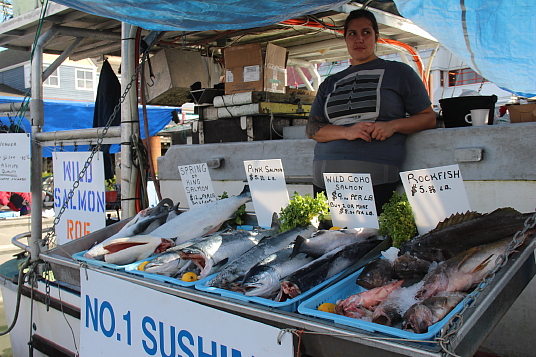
435,282
418,318
376,273
386,315
166,262
260,281
407,266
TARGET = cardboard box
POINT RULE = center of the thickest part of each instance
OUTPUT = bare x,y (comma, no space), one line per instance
247,69
522,113
175,71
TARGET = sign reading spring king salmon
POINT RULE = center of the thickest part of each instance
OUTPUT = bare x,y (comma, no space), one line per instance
351,200
197,184
120,318
434,194
15,162
86,211
266,180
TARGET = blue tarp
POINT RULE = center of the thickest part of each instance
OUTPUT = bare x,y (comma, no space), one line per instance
69,115
201,15
496,38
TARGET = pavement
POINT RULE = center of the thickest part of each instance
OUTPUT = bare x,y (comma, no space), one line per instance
9,228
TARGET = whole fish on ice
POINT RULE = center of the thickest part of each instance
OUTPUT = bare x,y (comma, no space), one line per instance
426,313
324,241
127,250
269,245
211,254
362,304
142,224
324,267
463,231
263,279
376,273
202,220
463,271
169,262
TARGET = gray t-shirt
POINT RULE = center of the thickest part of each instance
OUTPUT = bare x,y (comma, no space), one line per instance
378,90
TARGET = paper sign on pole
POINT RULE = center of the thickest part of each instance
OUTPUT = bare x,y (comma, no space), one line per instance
435,194
197,184
123,319
86,211
268,187
351,200
15,160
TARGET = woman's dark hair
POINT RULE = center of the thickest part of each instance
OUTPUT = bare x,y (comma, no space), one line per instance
357,14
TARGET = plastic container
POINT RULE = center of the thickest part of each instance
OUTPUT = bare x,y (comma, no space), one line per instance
99,263
289,305
133,269
347,287
454,110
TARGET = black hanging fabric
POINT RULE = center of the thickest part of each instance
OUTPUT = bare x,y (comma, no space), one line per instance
108,95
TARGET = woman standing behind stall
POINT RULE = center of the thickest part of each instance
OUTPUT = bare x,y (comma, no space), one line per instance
361,116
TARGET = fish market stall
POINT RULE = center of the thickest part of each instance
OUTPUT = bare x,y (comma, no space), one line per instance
97,295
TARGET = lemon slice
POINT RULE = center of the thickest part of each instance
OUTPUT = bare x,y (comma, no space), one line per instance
189,277
327,307
335,228
142,266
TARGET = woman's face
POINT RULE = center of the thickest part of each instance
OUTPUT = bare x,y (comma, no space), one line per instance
360,40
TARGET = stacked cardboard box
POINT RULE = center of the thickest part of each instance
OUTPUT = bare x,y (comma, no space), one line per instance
247,69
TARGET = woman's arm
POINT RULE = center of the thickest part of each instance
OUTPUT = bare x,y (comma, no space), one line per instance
320,130
423,120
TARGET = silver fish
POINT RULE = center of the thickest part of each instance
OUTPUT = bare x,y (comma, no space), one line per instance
211,254
142,224
169,262
269,245
263,279
324,241
324,267
127,250
201,220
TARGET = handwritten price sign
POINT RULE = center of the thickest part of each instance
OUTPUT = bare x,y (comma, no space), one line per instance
434,194
15,162
351,200
197,184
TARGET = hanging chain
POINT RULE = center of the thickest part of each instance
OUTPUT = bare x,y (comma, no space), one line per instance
456,322
48,238
47,285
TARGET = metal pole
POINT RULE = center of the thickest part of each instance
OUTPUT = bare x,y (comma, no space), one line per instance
38,119
128,116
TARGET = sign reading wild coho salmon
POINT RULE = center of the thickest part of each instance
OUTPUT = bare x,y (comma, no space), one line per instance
434,194
266,180
351,200
86,210
197,184
122,319
15,162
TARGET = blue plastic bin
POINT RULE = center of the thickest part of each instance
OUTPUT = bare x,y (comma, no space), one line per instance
290,305
133,269
347,287
99,263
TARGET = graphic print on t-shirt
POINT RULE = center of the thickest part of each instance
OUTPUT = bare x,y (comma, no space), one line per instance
355,98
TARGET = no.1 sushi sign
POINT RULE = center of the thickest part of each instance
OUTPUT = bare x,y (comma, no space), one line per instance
85,212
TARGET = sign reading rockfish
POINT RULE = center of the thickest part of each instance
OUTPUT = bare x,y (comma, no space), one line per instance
269,194
15,162
197,184
86,210
434,194
351,200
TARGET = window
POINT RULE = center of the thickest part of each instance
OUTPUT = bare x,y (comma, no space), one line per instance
442,78
84,79
464,76
53,80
